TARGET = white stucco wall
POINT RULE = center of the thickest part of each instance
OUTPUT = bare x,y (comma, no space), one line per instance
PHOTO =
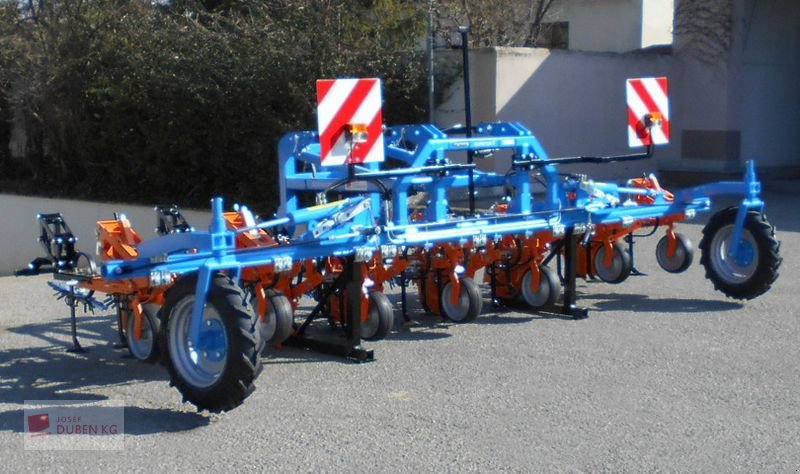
20,229
574,102
769,104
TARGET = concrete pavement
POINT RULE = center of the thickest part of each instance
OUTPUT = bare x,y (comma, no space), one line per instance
665,375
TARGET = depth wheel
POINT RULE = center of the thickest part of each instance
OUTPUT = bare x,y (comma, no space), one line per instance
548,291
85,264
276,326
218,373
680,260
620,267
469,303
380,317
146,348
752,272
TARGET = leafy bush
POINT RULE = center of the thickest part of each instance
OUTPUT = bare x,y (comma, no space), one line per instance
127,101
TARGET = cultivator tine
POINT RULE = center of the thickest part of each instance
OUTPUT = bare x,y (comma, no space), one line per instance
74,296
69,291
115,301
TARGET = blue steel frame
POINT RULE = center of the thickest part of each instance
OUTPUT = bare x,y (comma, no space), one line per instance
418,147
425,147
422,151
207,252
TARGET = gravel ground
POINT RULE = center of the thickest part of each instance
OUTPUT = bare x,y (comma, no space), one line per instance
665,375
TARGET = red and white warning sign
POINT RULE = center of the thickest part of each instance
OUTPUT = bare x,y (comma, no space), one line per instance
350,121
648,111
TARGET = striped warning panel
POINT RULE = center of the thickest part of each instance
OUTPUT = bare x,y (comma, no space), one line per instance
344,105
647,96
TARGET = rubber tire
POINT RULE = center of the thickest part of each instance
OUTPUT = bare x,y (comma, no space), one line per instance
470,301
684,254
548,281
381,314
243,363
621,263
147,355
283,317
768,253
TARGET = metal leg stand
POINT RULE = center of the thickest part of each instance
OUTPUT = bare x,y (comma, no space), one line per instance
569,276
634,271
353,295
403,303
571,270
351,349
493,287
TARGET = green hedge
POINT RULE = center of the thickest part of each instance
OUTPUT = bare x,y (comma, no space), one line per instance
126,101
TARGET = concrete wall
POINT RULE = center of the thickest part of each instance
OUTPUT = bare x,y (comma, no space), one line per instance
573,101
19,231
742,58
769,40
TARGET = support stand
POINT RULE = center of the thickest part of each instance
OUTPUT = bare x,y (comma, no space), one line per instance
403,296
493,287
351,349
634,271
570,308
353,289
570,287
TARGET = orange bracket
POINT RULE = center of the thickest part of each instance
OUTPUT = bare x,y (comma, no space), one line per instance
456,294
672,242
609,258
138,314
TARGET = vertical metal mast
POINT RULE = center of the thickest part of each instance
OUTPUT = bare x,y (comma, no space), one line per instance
464,30
430,63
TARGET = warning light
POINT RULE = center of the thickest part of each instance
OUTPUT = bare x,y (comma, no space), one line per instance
653,119
357,133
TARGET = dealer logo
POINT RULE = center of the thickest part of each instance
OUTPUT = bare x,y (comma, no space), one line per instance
38,425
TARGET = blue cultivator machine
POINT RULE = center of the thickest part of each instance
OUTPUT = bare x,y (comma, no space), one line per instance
382,216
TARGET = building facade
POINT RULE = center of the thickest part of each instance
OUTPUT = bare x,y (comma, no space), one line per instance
613,25
732,70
